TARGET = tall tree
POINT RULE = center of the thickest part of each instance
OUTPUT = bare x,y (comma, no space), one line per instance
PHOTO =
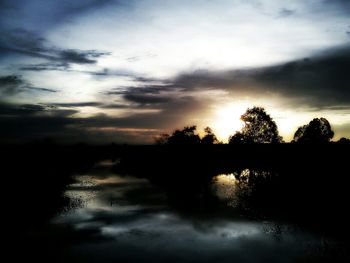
258,128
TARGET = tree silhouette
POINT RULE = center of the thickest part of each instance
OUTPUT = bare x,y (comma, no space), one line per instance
185,136
344,140
317,131
258,128
209,137
238,138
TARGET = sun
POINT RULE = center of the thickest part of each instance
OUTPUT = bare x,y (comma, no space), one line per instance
226,120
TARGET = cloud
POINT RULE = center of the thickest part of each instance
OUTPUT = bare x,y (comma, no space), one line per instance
29,43
10,80
60,66
320,81
77,104
37,110
115,106
10,85
285,12
32,122
14,84
49,13
80,57
147,99
39,89
19,110
176,112
343,5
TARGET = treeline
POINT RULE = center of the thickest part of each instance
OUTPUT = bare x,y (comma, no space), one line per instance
258,127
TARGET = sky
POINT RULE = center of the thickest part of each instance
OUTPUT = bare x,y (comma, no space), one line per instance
126,71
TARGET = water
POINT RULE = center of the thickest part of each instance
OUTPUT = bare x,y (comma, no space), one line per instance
115,218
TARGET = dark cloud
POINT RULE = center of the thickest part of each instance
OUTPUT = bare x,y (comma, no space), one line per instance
77,104
80,57
96,104
29,43
44,14
147,99
285,12
321,81
18,110
78,7
135,90
10,85
115,106
64,66
46,66
22,40
176,112
31,122
10,80
39,89
343,5
14,84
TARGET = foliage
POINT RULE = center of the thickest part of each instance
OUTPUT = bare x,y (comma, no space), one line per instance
209,137
317,131
238,138
186,136
258,128
344,140
162,139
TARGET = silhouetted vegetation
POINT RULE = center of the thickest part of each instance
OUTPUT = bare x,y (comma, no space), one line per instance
258,128
302,183
344,141
209,137
187,136
317,131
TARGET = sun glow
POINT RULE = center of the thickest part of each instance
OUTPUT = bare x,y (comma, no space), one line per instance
227,119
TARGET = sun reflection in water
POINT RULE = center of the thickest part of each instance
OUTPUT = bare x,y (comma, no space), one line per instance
224,187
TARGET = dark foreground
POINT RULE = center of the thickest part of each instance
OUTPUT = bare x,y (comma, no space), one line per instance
249,203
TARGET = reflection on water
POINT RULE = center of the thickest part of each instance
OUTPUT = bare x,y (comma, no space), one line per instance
128,219
224,187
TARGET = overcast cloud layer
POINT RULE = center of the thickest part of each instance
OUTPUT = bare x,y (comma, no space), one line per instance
125,71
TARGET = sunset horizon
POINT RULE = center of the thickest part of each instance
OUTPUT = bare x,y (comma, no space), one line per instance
127,71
